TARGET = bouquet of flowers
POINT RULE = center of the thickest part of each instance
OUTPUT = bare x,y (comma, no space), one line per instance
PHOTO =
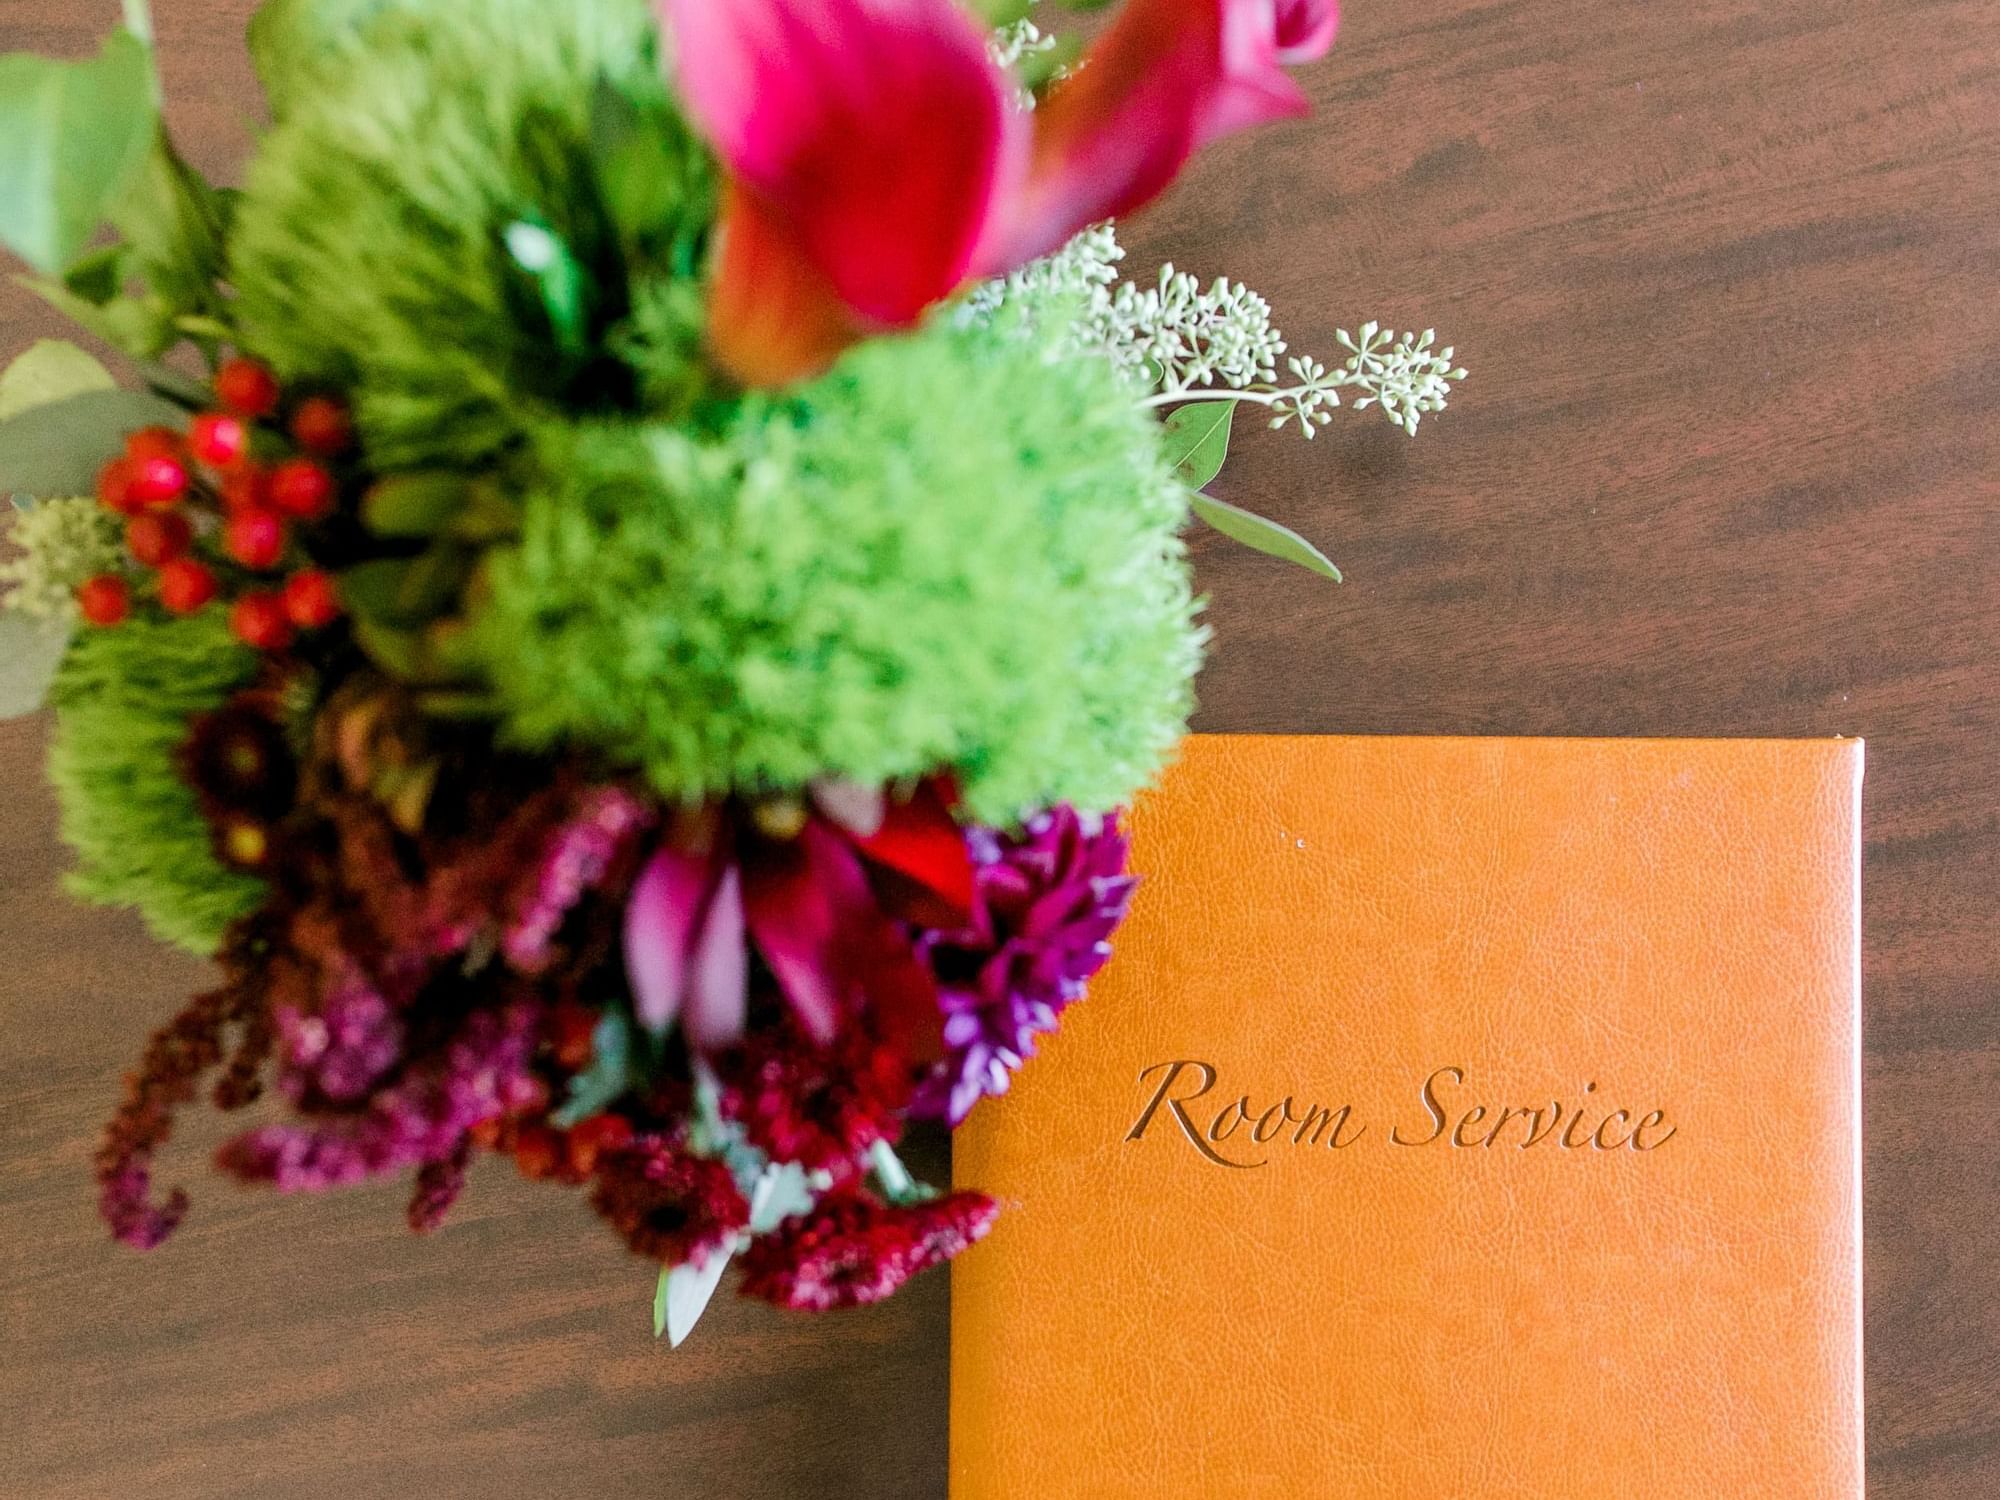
640,565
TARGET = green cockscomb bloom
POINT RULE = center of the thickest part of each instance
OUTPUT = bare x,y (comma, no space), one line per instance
951,550
473,214
124,699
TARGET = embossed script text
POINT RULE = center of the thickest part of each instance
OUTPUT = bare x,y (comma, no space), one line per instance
1234,1129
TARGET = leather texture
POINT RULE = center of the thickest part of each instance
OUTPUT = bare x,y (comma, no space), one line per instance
1334,921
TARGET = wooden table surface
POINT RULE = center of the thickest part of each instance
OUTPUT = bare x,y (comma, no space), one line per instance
1727,274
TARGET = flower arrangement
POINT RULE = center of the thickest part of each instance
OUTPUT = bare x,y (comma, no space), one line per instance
641,566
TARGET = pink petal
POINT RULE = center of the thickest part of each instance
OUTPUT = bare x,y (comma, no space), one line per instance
877,132
802,901
659,925
718,978
1305,29
773,317
1165,78
920,840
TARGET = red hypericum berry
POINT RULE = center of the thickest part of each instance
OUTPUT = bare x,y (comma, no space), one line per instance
247,388
570,1029
302,488
105,599
254,536
186,585
321,425
154,442
246,484
259,620
114,486
538,1151
311,599
158,481
158,536
588,1139
218,439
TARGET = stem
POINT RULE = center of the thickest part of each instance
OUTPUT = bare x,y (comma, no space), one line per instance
1212,393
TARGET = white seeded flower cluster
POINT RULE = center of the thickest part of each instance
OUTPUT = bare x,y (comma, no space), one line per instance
1007,45
62,543
1183,342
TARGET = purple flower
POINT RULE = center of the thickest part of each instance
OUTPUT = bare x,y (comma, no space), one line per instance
343,1049
482,1072
577,858
1048,901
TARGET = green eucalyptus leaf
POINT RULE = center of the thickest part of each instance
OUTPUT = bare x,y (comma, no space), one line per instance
30,652
415,504
72,135
1265,535
58,448
1197,440
49,370
608,1076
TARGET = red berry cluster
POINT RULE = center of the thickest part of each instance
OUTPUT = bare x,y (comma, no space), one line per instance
206,489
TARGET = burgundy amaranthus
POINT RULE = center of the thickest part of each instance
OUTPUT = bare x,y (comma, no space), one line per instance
670,1205
1049,900
822,1107
853,1249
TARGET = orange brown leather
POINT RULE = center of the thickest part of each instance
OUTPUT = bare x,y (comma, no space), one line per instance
1437,1309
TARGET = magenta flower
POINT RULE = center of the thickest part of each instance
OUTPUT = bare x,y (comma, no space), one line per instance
422,1118
813,904
1049,900
878,159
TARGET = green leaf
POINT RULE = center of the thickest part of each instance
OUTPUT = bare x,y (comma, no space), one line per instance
557,276
1265,535
783,1191
142,326
400,653
49,370
608,1076
405,591
30,652
58,448
72,134
173,222
414,504
683,1296
1197,440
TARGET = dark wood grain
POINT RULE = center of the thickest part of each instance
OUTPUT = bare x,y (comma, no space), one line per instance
1727,273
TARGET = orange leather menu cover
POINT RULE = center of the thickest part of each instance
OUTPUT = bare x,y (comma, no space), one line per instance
1459,1119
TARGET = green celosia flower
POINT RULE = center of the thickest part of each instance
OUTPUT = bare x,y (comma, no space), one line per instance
62,543
949,551
124,699
382,241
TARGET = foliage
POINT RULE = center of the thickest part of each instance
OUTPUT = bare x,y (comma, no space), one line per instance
62,542
72,135
951,550
124,698
1183,342
395,274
